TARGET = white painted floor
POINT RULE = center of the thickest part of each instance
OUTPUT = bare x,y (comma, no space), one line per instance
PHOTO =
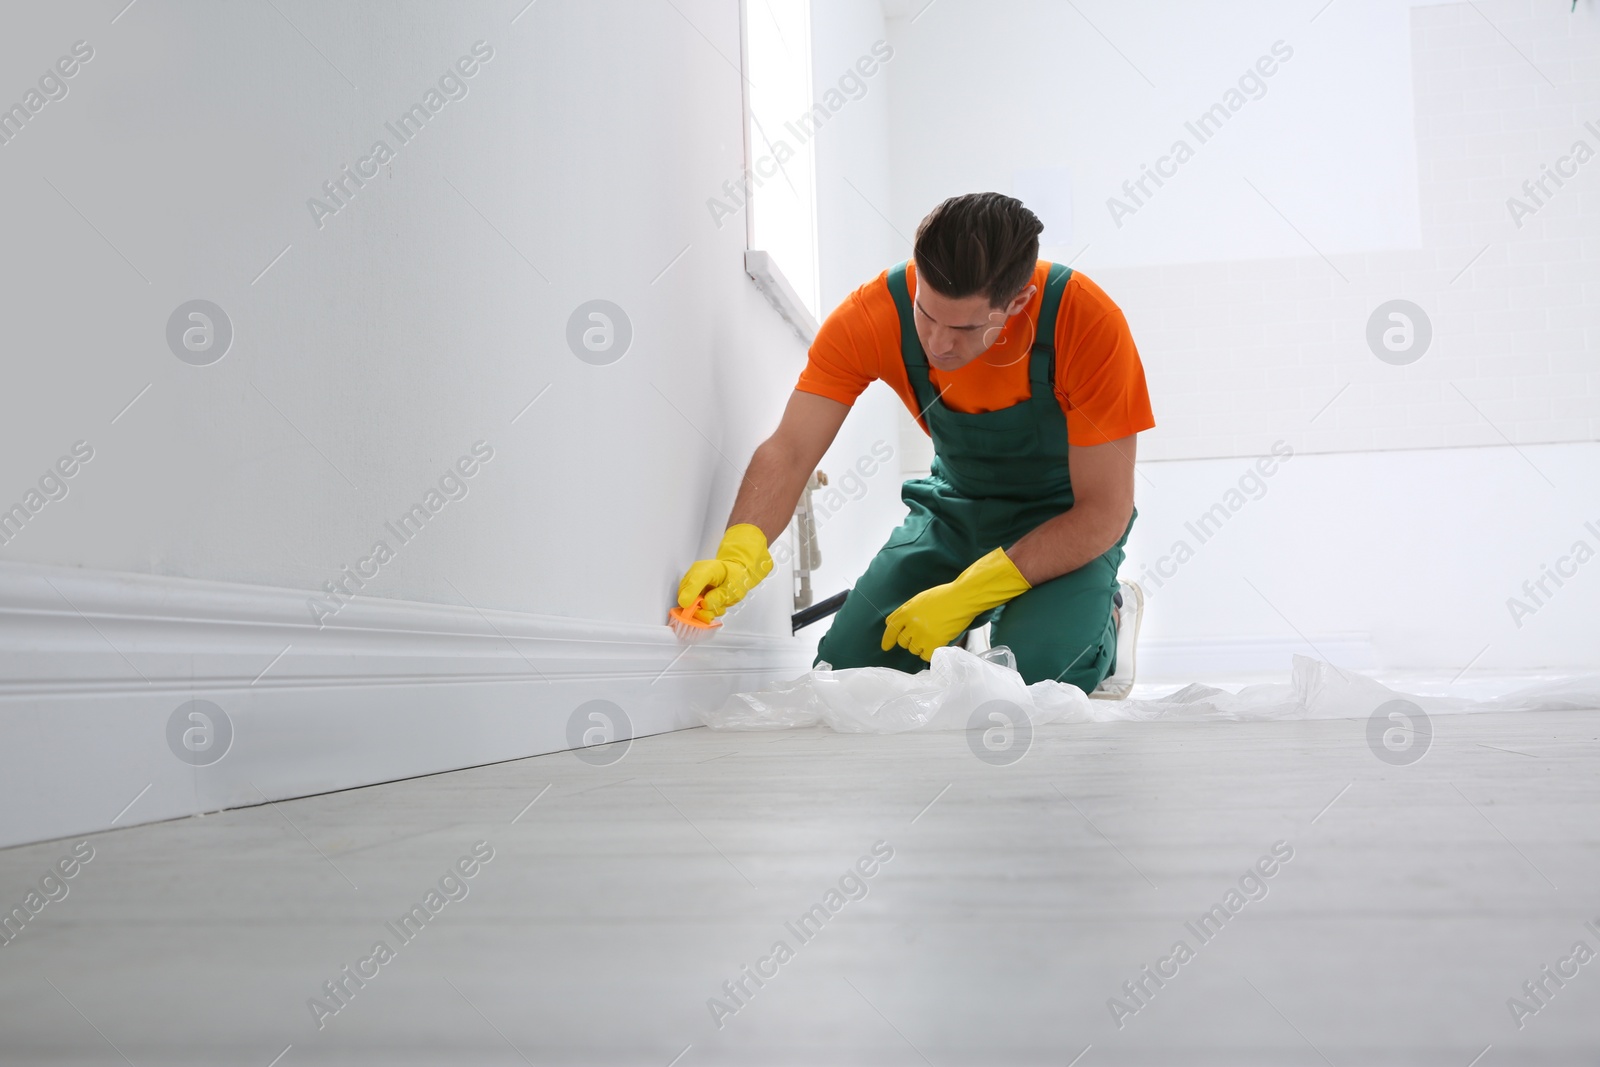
1018,900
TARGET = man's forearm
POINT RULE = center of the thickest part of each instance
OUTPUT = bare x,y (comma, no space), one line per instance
1068,541
771,487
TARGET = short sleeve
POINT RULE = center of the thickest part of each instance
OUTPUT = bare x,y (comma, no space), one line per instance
837,365
1104,383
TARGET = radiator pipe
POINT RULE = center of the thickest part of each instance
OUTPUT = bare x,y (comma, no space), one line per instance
817,611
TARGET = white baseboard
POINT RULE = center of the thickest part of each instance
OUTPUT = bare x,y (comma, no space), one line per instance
94,663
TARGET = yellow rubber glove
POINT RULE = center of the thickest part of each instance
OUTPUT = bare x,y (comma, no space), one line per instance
933,617
742,560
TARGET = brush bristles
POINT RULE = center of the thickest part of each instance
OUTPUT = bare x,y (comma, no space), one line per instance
687,632
689,628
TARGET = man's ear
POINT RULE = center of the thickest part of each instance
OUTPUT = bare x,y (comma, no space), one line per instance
1020,301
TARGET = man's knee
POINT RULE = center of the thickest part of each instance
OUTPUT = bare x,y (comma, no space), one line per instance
1084,664
859,643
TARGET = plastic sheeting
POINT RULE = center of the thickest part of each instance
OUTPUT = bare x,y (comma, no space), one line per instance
957,690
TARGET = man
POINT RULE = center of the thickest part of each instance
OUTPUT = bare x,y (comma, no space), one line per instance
1026,377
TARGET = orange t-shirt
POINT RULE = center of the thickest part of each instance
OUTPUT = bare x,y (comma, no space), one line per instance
1099,378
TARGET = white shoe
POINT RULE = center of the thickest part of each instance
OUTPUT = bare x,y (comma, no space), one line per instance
977,640
1119,684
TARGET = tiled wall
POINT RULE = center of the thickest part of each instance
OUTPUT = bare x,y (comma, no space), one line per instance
1241,354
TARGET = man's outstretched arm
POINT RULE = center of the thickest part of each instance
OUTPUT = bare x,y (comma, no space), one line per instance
779,468
773,481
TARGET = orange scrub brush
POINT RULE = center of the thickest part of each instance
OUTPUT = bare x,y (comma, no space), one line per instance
687,625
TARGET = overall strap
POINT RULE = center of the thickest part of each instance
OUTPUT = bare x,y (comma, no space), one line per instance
1042,360
910,345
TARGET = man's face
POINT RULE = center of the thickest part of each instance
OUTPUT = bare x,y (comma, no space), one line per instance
956,332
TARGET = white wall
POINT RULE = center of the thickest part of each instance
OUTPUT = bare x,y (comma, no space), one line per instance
1401,559
856,244
381,346
1382,155
369,354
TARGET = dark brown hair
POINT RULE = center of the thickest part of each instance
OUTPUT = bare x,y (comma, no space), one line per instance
978,243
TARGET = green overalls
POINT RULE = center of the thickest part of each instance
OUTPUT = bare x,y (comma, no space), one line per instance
995,476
